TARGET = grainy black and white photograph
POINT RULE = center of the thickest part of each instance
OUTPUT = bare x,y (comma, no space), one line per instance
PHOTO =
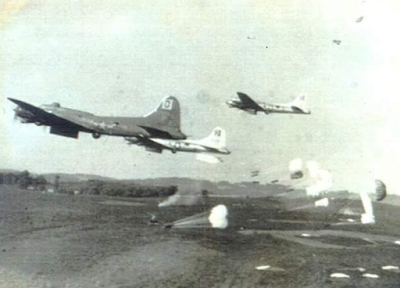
199,143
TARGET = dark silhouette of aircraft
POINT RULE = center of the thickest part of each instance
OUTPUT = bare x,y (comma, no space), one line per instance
245,103
163,122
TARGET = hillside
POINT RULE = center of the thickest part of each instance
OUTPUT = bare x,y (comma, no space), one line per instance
64,177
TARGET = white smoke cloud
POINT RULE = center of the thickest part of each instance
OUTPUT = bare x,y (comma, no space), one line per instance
171,200
322,203
323,179
313,168
296,165
218,218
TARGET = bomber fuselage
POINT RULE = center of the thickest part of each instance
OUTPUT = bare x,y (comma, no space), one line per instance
190,146
268,108
115,126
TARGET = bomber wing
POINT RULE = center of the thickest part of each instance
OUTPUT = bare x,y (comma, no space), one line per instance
248,103
58,124
149,144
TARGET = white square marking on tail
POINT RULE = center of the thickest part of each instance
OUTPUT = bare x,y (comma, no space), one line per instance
167,104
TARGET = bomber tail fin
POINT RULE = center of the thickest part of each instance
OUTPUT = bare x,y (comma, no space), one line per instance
300,103
217,138
167,114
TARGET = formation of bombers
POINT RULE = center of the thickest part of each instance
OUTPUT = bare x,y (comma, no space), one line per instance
161,130
156,131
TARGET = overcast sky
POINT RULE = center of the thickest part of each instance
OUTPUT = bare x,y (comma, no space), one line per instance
122,57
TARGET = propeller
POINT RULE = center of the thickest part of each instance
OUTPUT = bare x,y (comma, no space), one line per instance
21,119
16,117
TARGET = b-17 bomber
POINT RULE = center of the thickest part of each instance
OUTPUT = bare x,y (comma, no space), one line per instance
163,122
245,103
213,144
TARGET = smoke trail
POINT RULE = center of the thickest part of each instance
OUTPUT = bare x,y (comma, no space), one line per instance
170,201
217,218
368,217
182,199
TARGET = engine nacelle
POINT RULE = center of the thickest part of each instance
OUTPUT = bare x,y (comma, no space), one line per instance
24,115
153,149
96,135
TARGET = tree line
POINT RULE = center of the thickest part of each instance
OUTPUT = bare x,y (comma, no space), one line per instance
116,188
23,180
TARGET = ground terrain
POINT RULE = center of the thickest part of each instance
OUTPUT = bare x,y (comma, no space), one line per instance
52,240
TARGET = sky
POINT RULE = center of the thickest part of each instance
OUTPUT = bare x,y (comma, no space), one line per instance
121,58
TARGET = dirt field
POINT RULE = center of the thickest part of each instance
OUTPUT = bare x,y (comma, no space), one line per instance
50,240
